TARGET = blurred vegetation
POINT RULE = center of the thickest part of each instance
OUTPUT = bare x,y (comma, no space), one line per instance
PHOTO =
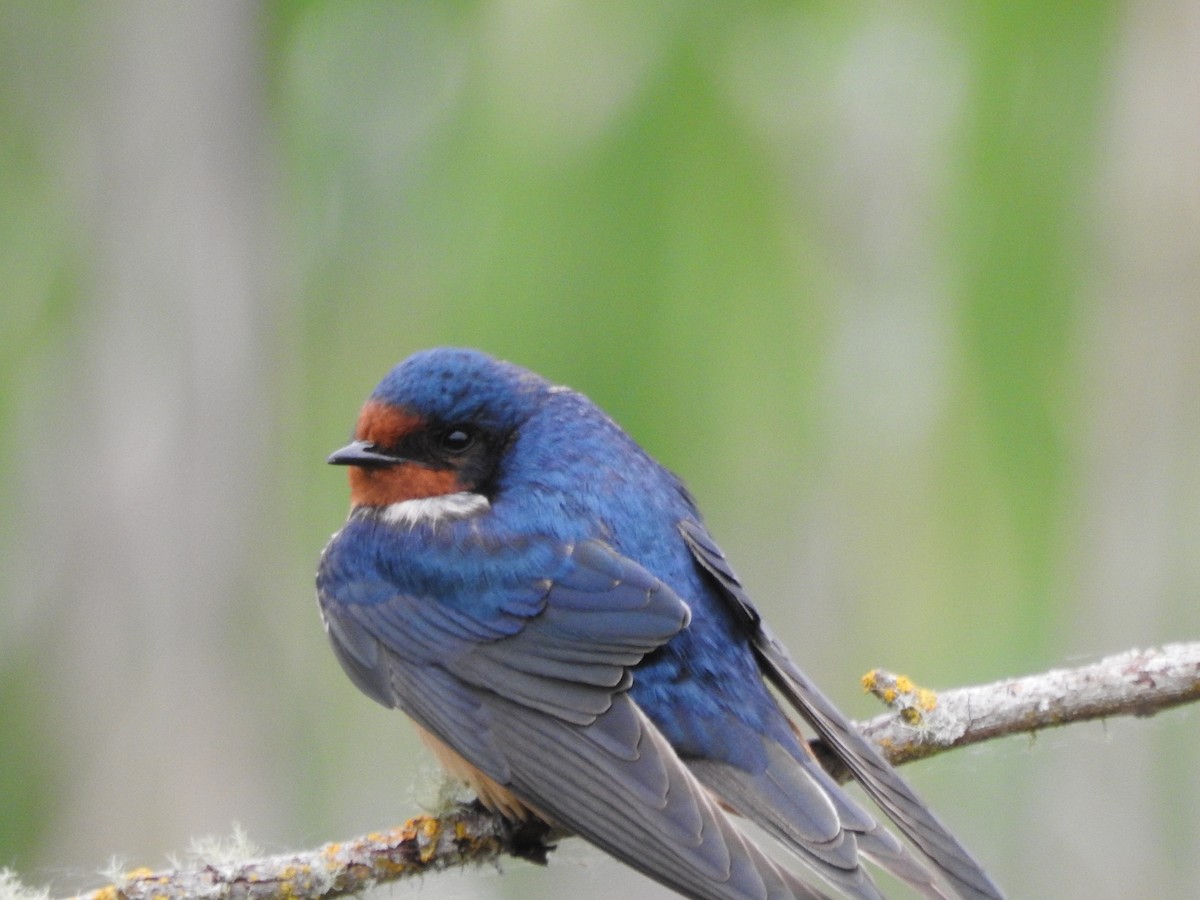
907,294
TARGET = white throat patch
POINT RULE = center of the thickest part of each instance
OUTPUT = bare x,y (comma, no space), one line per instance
430,510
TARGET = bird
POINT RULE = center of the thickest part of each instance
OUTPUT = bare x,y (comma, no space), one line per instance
544,600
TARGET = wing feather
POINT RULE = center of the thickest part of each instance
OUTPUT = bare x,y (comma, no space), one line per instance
543,711
878,778
640,803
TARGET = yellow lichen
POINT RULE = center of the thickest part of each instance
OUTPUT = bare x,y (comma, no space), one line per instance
295,880
430,829
386,867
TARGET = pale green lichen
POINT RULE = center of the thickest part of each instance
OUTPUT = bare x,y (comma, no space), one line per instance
11,888
225,851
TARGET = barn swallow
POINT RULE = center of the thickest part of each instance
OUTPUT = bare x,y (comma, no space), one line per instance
544,600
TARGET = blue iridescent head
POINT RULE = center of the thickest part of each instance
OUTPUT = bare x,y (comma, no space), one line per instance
437,424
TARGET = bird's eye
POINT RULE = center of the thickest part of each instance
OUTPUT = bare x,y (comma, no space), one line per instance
456,440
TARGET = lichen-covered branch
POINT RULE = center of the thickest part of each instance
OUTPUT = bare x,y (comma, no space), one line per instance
921,723
424,844
1134,683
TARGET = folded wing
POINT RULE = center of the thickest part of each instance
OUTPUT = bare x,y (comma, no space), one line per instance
531,689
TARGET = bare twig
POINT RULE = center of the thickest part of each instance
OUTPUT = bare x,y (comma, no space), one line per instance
922,723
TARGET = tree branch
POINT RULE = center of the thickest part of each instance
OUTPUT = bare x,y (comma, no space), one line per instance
1133,683
921,724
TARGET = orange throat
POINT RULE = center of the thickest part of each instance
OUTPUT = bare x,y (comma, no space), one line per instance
404,481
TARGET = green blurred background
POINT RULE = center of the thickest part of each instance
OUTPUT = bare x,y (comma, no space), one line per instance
908,293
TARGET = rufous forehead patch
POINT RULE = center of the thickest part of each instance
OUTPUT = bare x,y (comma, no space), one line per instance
384,425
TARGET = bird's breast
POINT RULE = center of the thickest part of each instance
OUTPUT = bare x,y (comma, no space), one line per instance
490,792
